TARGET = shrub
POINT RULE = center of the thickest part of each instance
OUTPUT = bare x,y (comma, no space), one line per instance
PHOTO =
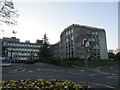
49,61
31,61
41,84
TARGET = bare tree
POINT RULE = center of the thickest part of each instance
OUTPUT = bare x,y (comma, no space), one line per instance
8,14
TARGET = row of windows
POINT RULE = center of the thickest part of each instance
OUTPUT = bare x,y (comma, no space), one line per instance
91,39
21,58
69,39
23,49
68,45
22,45
93,33
69,54
69,31
22,54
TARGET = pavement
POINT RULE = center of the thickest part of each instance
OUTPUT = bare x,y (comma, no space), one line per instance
97,77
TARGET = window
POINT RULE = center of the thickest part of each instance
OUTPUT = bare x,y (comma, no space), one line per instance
72,30
16,44
89,33
4,43
90,39
93,39
8,44
19,49
72,38
11,44
34,45
66,39
33,50
20,45
66,33
96,33
16,49
93,33
97,47
37,50
69,31
23,45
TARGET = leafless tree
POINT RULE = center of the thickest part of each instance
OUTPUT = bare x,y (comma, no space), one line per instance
8,13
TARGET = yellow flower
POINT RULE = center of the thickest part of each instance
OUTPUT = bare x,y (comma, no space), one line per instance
66,86
42,83
36,87
20,87
78,86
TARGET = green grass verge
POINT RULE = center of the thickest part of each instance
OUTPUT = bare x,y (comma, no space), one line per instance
91,63
73,62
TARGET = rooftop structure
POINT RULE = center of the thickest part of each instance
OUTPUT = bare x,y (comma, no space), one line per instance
15,51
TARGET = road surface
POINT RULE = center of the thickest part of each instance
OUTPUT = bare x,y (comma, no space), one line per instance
99,77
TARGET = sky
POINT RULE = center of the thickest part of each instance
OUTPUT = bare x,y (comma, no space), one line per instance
38,18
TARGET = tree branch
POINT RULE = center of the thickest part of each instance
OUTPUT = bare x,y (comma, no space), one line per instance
8,13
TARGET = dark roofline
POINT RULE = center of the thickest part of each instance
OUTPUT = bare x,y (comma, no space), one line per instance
19,41
82,26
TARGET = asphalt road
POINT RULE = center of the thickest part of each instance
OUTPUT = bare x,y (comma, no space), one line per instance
99,77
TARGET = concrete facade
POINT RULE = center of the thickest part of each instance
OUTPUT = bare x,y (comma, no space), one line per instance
16,51
55,51
71,42
103,45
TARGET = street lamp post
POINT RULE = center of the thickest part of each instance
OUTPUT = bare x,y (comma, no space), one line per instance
85,44
86,67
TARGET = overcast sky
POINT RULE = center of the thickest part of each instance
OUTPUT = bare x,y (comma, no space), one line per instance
38,18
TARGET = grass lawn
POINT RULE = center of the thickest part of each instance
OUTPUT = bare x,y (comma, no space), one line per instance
91,63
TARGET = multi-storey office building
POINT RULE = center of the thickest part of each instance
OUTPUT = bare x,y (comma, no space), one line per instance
71,42
55,51
17,51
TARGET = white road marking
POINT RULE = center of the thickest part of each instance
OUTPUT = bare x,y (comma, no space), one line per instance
38,69
113,74
54,70
93,74
82,70
115,77
97,84
16,70
30,71
71,72
77,73
103,85
106,73
111,67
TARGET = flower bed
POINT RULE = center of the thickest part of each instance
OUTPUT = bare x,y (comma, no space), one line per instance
41,85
